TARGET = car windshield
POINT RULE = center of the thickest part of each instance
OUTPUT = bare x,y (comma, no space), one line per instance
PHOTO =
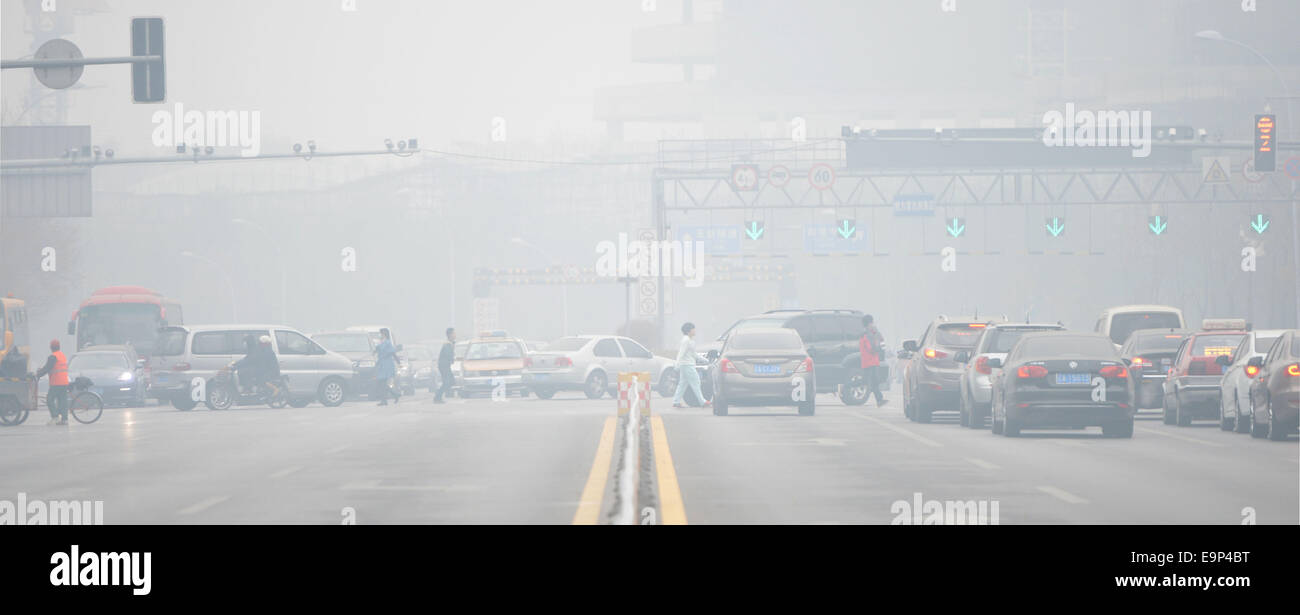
417,353
1123,325
1066,346
1003,338
344,342
1262,344
493,350
756,323
98,360
568,344
768,339
1215,345
1166,342
958,335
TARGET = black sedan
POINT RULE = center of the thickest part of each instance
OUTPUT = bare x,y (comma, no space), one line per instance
1063,380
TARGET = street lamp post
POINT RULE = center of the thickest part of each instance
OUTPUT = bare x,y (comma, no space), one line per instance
564,286
1214,35
284,318
230,286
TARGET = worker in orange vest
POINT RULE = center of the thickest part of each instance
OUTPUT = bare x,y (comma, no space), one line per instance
57,397
870,347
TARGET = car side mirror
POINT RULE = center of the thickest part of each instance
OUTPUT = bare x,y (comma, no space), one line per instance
139,363
910,345
995,362
962,356
711,355
1223,360
1256,362
1128,362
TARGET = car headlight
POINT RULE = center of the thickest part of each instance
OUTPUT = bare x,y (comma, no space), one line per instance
126,377
365,363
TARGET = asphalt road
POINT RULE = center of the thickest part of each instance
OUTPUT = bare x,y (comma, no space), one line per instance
534,461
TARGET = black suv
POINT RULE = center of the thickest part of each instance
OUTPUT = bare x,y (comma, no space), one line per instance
830,337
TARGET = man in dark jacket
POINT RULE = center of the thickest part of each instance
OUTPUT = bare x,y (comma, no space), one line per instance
259,367
446,357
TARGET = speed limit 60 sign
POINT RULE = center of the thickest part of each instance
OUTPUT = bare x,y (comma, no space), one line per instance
821,176
744,177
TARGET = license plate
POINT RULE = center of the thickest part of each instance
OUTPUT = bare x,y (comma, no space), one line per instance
1073,378
767,369
162,377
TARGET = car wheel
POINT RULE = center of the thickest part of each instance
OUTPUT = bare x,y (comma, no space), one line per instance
1010,426
1240,425
1118,429
1183,420
1225,423
1166,415
1275,431
808,407
719,406
920,412
182,402
668,383
596,385
544,393
1257,430
331,392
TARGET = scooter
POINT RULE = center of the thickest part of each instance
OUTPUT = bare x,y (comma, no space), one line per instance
224,391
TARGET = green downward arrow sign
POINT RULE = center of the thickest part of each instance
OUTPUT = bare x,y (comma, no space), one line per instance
1055,227
755,230
846,228
1157,225
956,227
1260,224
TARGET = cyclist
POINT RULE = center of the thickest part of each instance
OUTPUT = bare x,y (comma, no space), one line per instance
57,397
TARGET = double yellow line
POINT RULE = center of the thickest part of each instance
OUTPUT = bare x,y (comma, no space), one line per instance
671,509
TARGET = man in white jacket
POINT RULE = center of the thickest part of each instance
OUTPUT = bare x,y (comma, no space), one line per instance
686,374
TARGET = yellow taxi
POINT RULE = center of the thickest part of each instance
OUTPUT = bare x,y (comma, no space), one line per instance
493,365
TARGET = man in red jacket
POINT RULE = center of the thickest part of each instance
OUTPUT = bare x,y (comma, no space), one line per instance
869,348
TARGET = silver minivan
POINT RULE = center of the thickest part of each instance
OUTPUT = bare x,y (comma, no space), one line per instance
184,353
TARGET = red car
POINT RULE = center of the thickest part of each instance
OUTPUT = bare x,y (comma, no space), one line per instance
1191,391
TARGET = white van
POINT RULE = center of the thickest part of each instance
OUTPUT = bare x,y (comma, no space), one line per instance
186,352
1118,323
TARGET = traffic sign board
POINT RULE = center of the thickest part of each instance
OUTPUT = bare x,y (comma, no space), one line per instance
1157,224
821,176
1055,226
744,177
1260,223
832,238
1292,167
914,205
713,239
956,227
1214,169
755,229
1248,171
58,77
778,176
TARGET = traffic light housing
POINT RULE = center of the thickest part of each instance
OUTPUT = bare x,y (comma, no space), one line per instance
1265,143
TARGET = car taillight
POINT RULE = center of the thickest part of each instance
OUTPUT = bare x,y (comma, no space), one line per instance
728,367
181,367
982,365
528,361
1031,371
1114,371
931,353
1251,371
1293,369
806,366
564,362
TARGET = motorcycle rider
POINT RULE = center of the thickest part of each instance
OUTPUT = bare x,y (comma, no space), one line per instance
259,367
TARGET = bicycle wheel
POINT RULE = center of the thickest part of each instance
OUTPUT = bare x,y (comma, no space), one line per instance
87,407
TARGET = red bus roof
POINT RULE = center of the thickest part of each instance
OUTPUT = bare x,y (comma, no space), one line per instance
111,295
